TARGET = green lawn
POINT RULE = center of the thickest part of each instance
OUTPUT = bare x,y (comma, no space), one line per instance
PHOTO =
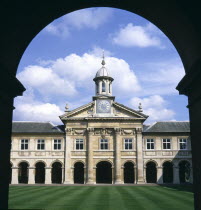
101,197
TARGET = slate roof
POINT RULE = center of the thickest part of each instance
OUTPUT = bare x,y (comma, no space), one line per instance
163,127
35,127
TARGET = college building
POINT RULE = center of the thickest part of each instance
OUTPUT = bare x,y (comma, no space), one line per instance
101,142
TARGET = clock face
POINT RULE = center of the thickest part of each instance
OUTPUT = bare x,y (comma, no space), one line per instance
103,106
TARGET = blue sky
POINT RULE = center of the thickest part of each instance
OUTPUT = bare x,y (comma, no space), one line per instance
60,63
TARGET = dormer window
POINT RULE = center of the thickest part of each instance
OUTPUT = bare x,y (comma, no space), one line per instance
103,86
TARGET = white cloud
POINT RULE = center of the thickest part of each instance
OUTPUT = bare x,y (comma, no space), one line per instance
137,36
161,78
45,81
155,107
82,70
38,112
85,18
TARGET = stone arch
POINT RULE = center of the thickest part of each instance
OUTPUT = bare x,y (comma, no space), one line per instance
40,172
104,172
76,161
23,172
56,161
150,160
23,162
40,161
184,171
129,172
168,160
79,172
128,161
167,171
56,172
184,18
98,161
151,171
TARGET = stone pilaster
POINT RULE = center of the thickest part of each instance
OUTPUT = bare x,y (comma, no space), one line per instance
159,175
31,179
68,179
63,173
145,176
117,171
176,175
140,174
48,179
90,177
14,175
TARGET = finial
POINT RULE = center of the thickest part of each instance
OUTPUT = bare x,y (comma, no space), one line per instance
103,61
140,108
66,108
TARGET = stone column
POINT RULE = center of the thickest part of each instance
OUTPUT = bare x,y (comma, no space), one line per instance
159,175
85,175
145,177
135,173
117,170
90,178
107,86
100,87
14,175
140,170
31,179
48,178
176,175
68,174
62,178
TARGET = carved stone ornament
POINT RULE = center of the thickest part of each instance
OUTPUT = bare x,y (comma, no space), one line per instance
79,132
68,130
138,130
128,131
90,130
117,130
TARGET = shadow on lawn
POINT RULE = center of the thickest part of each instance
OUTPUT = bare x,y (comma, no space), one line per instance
180,187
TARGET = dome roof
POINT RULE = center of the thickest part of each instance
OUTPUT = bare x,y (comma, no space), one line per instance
102,72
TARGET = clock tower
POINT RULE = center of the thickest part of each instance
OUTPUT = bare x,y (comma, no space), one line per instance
103,90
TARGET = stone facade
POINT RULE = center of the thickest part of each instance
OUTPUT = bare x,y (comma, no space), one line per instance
101,142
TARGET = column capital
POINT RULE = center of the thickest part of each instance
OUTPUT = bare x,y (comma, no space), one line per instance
138,130
48,167
117,130
31,167
90,130
68,131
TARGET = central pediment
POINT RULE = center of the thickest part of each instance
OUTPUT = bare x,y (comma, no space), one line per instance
87,111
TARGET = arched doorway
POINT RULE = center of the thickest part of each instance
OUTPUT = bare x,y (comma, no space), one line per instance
79,173
104,172
23,173
40,173
129,174
184,171
167,172
151,172
10,173
57,173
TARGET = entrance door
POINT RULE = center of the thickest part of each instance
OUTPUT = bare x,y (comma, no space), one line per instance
184,172
167,172
40,173
151,173
129,176
104,172
23,173
79,173
56,173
